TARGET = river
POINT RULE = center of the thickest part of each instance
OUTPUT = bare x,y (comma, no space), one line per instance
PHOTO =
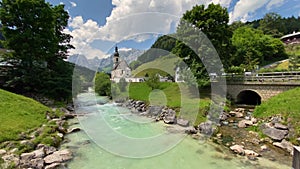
114,138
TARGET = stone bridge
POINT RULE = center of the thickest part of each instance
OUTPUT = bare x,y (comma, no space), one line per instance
252,90
255,93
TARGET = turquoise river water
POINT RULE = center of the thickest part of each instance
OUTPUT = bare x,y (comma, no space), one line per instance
114,138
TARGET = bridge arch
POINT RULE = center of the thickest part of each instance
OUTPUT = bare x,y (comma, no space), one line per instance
249,97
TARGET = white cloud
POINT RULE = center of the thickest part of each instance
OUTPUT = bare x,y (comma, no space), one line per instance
73,4
225,3
84,34
274,3
244,8
125,49
131,17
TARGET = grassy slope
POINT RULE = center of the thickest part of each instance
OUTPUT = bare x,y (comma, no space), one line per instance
285,104
19,114
165,63
290,49
176,97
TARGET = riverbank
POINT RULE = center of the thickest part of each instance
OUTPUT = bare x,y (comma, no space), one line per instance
32,133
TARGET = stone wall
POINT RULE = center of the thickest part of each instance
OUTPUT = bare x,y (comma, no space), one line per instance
265,91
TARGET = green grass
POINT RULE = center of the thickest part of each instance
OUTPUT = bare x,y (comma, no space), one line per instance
150,72
19,114
283,65
176,96
286,105
166,64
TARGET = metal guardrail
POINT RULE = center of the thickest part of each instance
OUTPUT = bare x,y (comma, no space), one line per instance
265,78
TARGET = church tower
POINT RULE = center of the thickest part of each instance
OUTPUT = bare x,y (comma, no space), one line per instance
116,58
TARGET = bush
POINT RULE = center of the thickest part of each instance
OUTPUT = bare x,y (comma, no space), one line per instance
102,84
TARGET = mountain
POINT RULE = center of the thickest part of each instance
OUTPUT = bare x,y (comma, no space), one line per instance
104,64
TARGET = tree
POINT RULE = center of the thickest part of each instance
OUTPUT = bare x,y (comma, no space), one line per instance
272,24
213,22
253,48
153,81
102,84
33,31
212,33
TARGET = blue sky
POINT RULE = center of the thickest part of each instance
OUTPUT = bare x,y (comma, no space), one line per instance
98,25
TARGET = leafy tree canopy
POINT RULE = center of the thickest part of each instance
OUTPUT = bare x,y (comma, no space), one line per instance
253,48
215,35
103,84
33,32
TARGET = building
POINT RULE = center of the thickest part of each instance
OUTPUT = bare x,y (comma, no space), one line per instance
122,70
293,38
178,75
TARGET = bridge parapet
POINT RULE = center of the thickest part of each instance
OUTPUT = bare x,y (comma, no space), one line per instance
265,85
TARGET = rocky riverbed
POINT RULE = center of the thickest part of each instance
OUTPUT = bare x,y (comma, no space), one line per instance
238,130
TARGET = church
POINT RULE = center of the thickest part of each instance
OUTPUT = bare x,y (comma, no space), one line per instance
121,70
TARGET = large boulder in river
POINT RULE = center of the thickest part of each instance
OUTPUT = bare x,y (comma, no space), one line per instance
285,145
206,128
275,134
239,149
155,110
251,153
182,122
58,157
170,118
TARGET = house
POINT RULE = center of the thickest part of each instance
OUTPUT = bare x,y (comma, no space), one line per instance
178,75
122,70
293,38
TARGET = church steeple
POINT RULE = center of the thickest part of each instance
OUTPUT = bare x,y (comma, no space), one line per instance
116,58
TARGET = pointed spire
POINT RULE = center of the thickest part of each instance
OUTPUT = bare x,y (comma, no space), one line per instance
116,54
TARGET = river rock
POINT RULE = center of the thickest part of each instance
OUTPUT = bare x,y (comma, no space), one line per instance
232,113
58,157
191,130
206,128
224,116
169,118
155,110
280,126
40,153
182,122
285,145
242,124
2,152
27,156
10,158
251,153
275,134
37,163
239,149
239,115
75,129
254,120
264,148
53,166
47,149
